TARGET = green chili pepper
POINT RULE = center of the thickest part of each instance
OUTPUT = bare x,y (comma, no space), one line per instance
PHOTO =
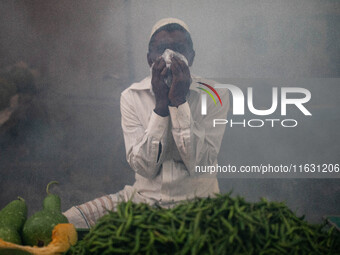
219,225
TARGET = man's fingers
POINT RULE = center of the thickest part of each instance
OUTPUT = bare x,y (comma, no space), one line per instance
164,71
181,65
161,64
158,68
175,67
158,64
179,61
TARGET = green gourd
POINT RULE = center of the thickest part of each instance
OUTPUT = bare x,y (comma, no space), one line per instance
37,230
12,219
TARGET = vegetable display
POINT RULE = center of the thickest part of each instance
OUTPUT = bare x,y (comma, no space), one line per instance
38,228
219,225
12,218
63,236
48,228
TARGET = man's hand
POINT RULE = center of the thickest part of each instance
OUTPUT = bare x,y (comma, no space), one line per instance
159,87
180,82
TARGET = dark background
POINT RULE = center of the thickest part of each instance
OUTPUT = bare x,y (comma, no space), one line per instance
88,52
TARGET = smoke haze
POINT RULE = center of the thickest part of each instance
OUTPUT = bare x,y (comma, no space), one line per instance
88,52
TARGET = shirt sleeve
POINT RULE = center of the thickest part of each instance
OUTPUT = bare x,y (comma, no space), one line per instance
144,147
198,142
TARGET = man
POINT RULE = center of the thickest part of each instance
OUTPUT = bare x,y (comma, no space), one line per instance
165,134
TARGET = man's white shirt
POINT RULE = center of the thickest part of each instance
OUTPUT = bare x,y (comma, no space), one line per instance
163,151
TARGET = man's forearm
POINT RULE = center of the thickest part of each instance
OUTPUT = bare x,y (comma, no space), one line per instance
142,144
196,142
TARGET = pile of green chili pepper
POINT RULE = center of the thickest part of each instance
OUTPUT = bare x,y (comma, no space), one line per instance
219,225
